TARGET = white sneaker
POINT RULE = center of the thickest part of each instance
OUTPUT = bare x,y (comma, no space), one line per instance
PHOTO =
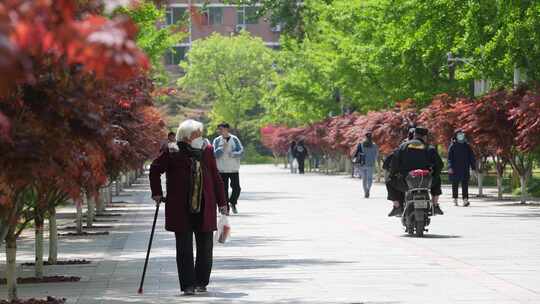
456,202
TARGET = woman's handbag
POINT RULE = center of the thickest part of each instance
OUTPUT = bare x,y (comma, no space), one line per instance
224,229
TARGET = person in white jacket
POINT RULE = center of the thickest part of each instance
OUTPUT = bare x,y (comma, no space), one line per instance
229,151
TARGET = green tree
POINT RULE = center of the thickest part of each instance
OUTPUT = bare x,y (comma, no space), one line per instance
233,72
500,36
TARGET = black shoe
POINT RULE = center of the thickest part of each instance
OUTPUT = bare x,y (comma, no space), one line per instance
201,289
366,195
437,210
396,211
234,210
189,291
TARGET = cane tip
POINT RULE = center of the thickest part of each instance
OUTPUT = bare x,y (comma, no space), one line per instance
140,291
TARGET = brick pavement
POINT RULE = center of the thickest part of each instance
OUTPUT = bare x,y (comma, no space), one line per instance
312,239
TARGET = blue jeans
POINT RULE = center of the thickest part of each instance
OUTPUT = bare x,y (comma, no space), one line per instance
367,177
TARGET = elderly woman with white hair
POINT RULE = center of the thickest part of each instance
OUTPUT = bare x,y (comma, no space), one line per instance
194,193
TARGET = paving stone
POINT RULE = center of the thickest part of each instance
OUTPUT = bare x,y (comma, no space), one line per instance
310,239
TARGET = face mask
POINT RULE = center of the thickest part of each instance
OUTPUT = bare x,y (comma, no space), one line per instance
197,143
173,147
460,137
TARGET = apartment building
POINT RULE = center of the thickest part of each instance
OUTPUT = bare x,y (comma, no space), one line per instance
207,17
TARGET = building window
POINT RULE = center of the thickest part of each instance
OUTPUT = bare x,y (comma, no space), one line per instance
174,14
174,56
247,15
215,15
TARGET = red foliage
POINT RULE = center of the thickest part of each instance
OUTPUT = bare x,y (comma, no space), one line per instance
75,100
487,123
526,116
391,128
46,32
441,117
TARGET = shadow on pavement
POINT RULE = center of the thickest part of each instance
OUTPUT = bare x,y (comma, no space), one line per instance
434,236
248,263
266,196
533,213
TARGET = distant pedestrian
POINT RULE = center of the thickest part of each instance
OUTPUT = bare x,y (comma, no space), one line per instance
229,152
171,137
194,191
366,156
171,142
301,153
290,157
461,160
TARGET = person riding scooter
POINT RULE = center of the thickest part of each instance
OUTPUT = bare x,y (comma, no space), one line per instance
411,155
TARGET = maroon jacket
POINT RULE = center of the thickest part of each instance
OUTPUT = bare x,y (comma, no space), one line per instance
177,167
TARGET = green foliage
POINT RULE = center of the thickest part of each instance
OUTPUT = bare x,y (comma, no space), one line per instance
252,156
501,35
233,72
154,40
377,52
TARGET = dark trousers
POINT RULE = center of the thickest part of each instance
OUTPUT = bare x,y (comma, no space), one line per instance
464,188
234,178
301,164
198,274
394,194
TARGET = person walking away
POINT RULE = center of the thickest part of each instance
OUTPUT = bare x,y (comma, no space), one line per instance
194,191
461,160
301,153
366,156
290,156
411,155
229,152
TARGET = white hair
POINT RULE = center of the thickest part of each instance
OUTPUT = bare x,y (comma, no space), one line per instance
187,127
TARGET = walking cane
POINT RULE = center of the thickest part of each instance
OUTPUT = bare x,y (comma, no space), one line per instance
149,246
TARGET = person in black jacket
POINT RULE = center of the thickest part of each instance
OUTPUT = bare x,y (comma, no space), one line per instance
300,153
393,194
414,154
460,161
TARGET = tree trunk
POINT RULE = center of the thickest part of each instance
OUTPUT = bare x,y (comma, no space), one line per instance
499,186
100,201
53,237
109,195
39,246
380,171
11,263
348,165
523,184
125,182
91,204
5,222
79,216
480,178
117,187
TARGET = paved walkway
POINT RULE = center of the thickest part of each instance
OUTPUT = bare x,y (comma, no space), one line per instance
312,239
